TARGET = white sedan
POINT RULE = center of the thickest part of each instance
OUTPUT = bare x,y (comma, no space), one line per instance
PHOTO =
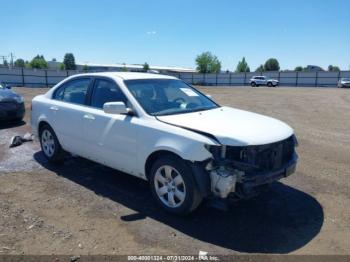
163,130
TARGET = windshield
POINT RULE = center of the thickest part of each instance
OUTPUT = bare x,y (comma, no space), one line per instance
168,96
346,79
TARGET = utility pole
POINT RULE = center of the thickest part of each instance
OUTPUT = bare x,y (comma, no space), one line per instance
3,57
11,60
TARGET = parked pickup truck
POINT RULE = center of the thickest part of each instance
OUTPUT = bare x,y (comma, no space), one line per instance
263,81
162,130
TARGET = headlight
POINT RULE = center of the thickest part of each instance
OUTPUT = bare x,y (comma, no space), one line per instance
19,99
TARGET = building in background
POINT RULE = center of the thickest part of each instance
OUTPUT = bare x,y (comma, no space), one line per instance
132,68
313,68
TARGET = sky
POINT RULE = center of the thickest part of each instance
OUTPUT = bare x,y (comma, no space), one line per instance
173,33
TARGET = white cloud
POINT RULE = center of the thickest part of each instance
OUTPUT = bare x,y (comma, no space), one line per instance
151,32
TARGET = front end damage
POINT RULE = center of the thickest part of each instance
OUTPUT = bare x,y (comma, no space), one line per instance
241,172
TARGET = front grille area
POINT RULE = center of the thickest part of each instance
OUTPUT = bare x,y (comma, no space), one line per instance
268,157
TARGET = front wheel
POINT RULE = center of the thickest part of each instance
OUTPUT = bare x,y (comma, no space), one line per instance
173,186
253,84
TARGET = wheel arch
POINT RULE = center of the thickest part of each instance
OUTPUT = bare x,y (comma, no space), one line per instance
201,177
154,156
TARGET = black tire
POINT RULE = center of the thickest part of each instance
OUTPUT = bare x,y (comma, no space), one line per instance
253,84
58,153
192,197
269,84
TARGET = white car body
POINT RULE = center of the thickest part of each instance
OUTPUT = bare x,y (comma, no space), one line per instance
263,81
344,82
127,142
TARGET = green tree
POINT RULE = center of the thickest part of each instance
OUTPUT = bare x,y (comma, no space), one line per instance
272,65
260,69
298,68
19,63
145,67
124,69
208,63
85,68
242,66
38,62
61,67
69,61
333,68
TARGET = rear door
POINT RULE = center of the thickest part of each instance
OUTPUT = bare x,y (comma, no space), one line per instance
66,113
109,139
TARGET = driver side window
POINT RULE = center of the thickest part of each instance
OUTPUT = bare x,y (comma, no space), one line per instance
106,91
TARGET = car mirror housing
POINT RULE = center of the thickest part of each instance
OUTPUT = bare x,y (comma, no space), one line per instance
116,108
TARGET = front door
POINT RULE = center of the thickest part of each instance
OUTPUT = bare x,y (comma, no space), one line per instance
110,139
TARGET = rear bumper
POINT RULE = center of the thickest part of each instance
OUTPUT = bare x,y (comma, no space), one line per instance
11,111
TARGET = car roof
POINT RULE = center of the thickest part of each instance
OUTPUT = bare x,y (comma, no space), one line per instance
129,75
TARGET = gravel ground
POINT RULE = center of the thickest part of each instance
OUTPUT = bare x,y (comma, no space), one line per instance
85,208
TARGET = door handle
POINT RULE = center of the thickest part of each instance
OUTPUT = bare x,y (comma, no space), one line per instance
54,108
89,117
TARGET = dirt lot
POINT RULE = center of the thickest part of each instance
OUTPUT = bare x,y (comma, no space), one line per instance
85,208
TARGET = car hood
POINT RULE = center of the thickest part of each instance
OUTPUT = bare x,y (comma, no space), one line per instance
6,93
232,126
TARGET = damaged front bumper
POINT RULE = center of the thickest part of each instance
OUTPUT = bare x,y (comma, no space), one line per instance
237,179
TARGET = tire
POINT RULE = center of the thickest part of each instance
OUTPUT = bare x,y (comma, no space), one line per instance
269,84
173,185
50,145
253,84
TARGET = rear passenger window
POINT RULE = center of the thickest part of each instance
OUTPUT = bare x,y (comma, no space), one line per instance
74,91
106,91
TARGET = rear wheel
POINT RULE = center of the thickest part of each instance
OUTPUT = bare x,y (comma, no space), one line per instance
253,84
269,84
173,186
50,145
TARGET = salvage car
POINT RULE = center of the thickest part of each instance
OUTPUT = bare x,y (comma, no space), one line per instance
263,81
163,130
11,105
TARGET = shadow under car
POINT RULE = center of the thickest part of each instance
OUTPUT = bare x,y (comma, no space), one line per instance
280,221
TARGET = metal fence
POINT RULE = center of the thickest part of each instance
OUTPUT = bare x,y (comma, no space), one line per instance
41,78
302,79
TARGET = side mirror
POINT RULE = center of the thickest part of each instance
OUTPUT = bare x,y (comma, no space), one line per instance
116,108
207,95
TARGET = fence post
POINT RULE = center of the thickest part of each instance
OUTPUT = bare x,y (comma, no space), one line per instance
229,83
338,77
216,80
46,82
204,79
316,80
23,84
279,76
192,79
297,79
245,78
67,73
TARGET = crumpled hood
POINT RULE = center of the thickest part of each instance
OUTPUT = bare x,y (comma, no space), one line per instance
233,126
